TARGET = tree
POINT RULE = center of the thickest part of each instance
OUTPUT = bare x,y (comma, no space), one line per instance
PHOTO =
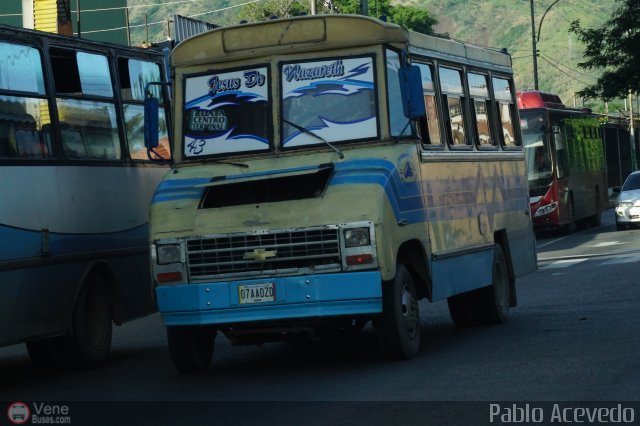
613,48
262,11
409,17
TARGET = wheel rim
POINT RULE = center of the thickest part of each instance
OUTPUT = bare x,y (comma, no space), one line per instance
410,314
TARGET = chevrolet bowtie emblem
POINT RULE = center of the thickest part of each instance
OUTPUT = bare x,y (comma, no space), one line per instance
259,254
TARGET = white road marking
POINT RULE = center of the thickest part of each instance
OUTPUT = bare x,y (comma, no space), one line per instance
625,259
607,244
563,263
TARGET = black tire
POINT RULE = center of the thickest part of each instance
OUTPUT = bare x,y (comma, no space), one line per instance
92,325
461,309
570,227
399,323
191,347
596,219
492,302
45,354
620,226
89,344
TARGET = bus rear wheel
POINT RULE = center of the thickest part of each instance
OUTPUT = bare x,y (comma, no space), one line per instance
492,302
92,324
191,347
89,343
399,323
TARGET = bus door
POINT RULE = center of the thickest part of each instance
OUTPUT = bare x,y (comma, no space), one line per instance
560,142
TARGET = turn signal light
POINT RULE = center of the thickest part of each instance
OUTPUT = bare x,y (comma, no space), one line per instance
359,259
169,277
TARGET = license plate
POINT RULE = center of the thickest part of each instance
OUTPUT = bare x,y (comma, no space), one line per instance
256,293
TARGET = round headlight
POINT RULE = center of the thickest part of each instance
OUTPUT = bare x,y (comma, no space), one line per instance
168,254
356,237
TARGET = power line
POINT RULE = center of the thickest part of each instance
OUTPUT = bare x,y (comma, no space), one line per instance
563,72
135,6
567,67
164,22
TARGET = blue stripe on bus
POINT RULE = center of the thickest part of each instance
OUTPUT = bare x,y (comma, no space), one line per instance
406,197
18,243
179,189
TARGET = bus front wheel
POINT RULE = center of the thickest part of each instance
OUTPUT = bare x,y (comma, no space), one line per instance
399,323
191,347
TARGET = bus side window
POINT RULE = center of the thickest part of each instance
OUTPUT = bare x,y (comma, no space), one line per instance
453,99
84,94
429,125
22,118
90,129
399,124
506,111
481,102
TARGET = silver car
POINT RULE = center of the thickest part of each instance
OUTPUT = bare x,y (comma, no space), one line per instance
628,203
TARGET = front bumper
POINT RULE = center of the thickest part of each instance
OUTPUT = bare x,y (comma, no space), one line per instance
628,215
322,295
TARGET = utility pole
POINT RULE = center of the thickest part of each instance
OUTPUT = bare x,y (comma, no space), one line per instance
632,136
535,50
78,17
312,6
535,40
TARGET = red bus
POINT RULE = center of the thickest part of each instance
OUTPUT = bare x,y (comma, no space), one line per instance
565,162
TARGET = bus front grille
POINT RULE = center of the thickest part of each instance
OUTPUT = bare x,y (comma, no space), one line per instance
275,252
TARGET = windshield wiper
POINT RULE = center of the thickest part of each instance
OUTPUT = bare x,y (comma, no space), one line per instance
231,163
315,135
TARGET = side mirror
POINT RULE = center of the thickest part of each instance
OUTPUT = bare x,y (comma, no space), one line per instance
151,111
616,189
411,92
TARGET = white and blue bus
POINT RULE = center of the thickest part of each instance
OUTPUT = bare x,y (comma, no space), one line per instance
75,184
331,171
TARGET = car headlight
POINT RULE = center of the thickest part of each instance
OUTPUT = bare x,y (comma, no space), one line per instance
544,210
356,237
625,204
168,254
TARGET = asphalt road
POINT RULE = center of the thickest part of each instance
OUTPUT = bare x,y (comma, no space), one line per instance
573,337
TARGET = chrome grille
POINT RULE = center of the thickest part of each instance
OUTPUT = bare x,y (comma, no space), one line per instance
287,251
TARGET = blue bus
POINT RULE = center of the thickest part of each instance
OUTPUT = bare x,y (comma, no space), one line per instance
75,184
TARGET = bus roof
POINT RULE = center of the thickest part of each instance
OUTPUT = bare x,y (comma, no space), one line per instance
528,99
442,48
318,32
281,35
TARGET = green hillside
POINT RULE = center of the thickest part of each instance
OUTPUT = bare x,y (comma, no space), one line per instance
495,23
507,23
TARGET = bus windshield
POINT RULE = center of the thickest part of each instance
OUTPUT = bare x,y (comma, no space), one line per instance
227,112
537,154
322,101
334,99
